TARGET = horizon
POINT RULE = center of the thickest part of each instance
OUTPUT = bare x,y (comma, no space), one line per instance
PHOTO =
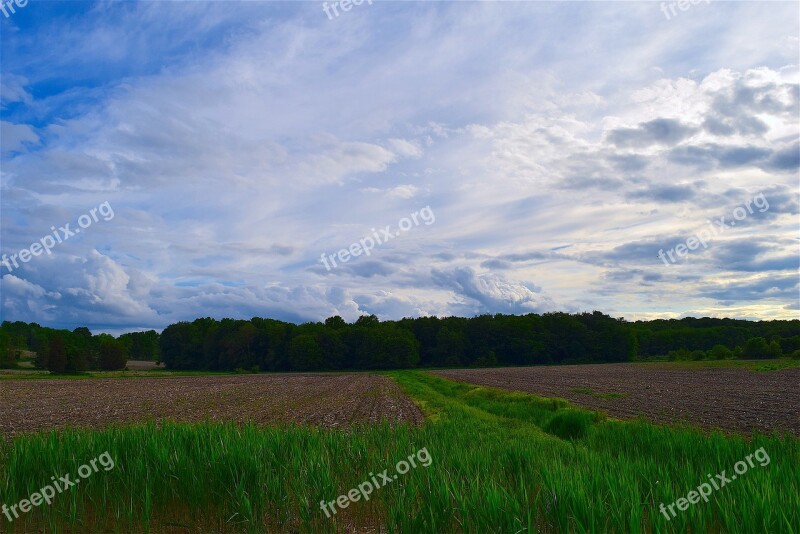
162,162
443,317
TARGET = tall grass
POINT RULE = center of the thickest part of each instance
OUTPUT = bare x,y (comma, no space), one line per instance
502,462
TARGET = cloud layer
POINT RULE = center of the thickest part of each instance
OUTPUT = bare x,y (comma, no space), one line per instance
560,145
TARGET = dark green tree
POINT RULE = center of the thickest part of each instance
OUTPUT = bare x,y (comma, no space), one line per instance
57,356
757,348
113,355
8,358
305,354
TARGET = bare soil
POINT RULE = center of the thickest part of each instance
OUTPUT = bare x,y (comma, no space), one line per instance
732,399
329,400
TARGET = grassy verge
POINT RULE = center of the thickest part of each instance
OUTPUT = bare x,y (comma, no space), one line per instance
753,365
501,462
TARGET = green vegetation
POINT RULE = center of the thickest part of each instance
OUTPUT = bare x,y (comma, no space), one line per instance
776,365
502,462
753,365
425,342
60,351
707,338
8,358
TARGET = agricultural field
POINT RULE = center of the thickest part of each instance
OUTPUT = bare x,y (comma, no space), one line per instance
318,399
367,267
739,398
196,454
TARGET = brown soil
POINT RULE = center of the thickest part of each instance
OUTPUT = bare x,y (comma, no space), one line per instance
733,399
318,399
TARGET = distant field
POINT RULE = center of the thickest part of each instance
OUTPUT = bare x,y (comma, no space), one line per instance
25,369
736,398
326,400
143,365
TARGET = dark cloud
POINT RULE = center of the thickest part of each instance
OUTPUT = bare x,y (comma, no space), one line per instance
738,156
766,98
604,183
635,252
498,265
734,112
282,250
526,256
664,193
368,269
725,126
749,256
772,287
657,131
629,162
785,159
766,204
708,156
626,275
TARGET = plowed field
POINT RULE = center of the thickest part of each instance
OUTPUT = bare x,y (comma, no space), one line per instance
734,399
318,399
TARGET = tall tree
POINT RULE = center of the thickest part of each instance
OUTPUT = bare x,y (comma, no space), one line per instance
113,355
57,355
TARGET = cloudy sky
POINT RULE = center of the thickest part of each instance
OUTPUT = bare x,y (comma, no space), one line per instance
554,148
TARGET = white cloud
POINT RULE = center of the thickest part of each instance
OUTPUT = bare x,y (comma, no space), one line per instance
233,168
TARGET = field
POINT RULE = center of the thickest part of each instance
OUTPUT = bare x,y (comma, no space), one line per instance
319,399
734,398
501,462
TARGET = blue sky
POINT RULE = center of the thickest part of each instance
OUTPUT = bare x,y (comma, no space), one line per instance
560,145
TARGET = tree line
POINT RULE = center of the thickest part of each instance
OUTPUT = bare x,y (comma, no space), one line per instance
369,344
75,351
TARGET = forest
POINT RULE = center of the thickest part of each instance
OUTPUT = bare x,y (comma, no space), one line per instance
484,341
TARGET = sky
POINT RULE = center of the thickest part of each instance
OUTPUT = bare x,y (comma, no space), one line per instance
163,161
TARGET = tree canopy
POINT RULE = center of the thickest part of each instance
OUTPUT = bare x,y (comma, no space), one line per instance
368,343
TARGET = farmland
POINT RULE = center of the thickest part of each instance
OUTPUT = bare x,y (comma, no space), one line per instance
502,461
399,268
729,398
324,400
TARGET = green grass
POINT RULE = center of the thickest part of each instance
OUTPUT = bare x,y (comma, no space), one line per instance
502,462
777,365
753,365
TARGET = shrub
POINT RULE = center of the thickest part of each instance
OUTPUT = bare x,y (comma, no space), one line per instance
719,352
679,355
697,355
756,347
570,424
